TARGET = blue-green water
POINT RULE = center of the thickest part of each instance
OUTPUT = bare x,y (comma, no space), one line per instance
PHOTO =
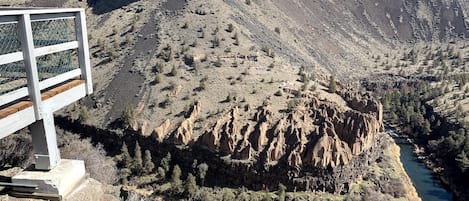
428,187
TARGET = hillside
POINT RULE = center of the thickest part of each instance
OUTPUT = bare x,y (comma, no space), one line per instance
265,92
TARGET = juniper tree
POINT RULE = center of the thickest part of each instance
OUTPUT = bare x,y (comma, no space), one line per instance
191,185
281,192
463,161
125,158
125,161
332,85
128,116
138,162
176,180
165,162
202,168
148,163
124,174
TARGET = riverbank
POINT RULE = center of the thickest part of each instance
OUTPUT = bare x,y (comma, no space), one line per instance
395,153
419,150
431,163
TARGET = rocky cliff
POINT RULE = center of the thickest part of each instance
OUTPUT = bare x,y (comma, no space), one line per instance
314,140
314,134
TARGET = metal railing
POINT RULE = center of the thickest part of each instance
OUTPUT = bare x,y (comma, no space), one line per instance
41,48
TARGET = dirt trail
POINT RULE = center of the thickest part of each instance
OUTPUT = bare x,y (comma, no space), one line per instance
125,88
128,85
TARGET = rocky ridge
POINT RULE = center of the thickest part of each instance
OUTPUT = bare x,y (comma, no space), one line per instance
315,135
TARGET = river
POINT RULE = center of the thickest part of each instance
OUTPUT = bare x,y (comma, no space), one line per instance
427,185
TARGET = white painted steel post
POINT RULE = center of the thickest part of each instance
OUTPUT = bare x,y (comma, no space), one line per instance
46,153
83,50
27,46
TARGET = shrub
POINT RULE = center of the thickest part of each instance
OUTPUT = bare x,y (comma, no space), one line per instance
173,71
185,25
217,63
271,80
194,44
202,170
229,98
277,30
271,66
278,93
166,103
292,104
332,85
215,31
236,38
158,68
230,28
113,54
16,150
266,50
313,87
165,162
97,164
202,85
191,185
157,79
202,33
128,116
215,42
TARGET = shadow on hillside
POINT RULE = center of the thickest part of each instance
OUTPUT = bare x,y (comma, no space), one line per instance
105,6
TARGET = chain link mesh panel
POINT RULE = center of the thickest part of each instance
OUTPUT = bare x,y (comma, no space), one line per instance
9,38
54,64
12,77
53,32
45,33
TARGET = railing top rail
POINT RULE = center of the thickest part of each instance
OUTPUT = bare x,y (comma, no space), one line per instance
8,11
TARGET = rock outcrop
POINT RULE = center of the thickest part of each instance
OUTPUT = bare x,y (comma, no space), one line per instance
317,141
183,134
363,103
161,131
316,134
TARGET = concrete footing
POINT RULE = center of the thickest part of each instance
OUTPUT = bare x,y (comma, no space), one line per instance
61,180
